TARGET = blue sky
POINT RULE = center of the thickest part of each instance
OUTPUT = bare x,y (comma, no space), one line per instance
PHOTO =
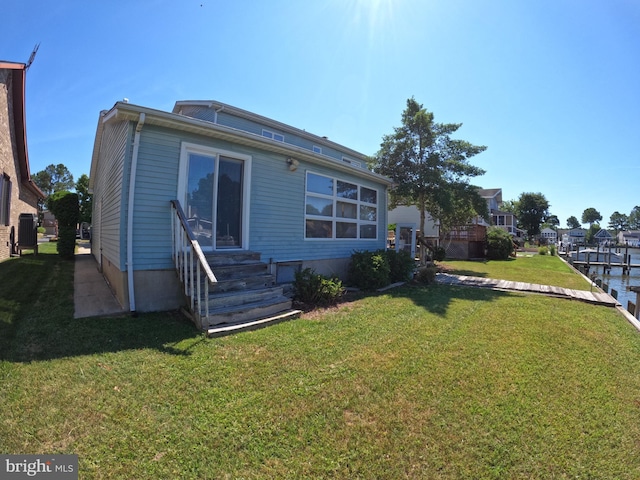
551,87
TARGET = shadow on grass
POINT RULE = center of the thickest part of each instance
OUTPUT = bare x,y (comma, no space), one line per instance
436,298
455,268
166,332
36,318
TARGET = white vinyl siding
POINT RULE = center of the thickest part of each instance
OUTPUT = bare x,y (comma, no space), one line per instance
338,209
109,219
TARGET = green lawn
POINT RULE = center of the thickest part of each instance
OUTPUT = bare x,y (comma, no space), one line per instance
541,269
420,382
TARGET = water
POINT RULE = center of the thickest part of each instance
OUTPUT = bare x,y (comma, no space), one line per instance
620,282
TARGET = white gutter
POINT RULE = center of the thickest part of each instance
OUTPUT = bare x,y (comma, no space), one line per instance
132,189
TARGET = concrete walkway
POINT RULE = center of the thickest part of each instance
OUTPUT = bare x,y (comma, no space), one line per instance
92,296
596,297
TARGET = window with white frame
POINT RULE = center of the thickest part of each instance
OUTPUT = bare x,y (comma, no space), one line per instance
339,209
355,163
5,200
274,136
317,149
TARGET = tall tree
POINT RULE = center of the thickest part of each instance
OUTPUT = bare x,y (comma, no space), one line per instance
634,218
590,236
591,216
618,222
85,199
429,168
509,206
553,222
573,222
54,178
531,210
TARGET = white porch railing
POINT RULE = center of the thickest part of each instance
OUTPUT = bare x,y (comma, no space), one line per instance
191,264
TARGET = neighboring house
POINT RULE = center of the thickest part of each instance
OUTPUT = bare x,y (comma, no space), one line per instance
631,238
409,214
406,218
603,237
18,194
505,220
549,235
575,236
252,191
50,224
468,241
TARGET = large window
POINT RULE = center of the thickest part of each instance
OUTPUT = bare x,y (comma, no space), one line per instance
5,200
338,209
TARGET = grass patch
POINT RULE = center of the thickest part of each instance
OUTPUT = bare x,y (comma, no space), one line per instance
540,269
421,382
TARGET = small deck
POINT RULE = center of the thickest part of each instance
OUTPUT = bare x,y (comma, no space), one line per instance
594,297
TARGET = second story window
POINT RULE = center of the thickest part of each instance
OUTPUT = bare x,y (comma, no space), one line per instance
317,149
351,162
273,136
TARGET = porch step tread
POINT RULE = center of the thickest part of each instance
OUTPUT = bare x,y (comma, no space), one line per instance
229,329
230,271
241,297
232,258
243,283
245,313
229,309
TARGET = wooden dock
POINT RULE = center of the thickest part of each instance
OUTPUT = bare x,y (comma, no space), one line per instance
593,297
607,259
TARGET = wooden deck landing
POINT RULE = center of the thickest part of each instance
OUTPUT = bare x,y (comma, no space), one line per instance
594,297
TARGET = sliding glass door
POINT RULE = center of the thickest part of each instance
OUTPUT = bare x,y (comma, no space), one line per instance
214,198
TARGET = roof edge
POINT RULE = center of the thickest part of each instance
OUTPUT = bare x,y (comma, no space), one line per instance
129,112
320,140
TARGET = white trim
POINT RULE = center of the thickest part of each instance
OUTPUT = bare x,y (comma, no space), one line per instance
334,198
185,149
272,135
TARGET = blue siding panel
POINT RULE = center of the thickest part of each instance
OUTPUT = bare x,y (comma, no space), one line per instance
277,196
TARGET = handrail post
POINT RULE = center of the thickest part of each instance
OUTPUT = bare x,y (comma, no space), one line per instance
188,255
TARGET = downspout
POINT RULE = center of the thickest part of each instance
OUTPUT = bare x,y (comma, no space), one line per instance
215,114
132,189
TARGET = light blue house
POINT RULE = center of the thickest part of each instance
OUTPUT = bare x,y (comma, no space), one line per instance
213,207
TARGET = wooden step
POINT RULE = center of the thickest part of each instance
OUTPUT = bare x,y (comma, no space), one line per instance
241,297
222,330
246,312
232,258
243,283
227,271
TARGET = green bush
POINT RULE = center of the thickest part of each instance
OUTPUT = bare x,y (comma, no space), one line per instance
401,265
64,205
499,244
552,250
369,270
41,230
543,251
316,290
426,275
66,245
439,253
